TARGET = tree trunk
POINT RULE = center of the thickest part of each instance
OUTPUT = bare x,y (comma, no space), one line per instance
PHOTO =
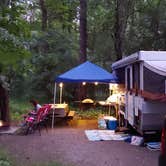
83,31
44,14
155,22
83,43
4,105
121,15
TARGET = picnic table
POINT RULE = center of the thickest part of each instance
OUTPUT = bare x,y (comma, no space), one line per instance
60,111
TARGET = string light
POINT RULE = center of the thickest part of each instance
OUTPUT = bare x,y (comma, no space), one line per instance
1,123
84,83
96,83
61,85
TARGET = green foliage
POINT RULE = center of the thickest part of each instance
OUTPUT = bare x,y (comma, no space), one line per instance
100,20
62,13
18,108
5,159
53,53
88,114
32,66
146,27
54,163
13,30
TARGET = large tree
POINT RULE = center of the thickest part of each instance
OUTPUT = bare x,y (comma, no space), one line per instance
13,30
4,101
122,12
83,30
44,14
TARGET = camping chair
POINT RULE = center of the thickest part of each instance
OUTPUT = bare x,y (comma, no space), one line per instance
35,122
42,117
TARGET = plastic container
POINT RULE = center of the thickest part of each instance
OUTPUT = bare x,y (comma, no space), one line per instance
111,122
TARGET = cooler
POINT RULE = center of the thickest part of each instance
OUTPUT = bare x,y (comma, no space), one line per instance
111,122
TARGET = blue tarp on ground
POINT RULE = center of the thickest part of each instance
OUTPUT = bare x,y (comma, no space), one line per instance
87,72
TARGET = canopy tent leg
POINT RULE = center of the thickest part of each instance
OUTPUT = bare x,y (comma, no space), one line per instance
61,90
53,116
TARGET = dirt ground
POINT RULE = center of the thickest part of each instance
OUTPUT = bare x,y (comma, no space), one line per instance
69,145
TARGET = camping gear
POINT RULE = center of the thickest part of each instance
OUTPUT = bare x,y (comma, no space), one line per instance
101,122
105,135
137,140
153,146
36,121
111,122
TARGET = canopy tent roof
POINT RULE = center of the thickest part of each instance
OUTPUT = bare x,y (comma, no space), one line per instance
87,72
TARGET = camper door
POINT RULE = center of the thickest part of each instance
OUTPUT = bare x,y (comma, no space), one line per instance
129,96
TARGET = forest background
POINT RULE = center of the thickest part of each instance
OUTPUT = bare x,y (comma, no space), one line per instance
40,39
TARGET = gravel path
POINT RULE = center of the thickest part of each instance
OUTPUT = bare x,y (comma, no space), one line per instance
70,146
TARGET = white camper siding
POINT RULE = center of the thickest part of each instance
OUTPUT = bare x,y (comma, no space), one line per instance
130,109
129,113
152,115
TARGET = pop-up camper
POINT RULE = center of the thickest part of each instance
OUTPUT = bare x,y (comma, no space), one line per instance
144,76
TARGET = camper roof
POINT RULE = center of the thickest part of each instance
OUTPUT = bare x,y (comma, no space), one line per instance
140,56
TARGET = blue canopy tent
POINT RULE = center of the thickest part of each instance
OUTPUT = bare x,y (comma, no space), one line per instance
85,72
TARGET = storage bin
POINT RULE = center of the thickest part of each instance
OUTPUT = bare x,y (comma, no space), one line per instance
111,122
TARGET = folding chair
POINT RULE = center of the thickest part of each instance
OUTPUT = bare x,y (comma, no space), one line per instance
35,122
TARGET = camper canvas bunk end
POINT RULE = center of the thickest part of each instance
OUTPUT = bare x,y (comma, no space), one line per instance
144,76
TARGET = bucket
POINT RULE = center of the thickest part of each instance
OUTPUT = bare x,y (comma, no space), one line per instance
111,122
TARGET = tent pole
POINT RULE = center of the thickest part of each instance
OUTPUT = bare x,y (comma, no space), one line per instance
60,95
54,92
54,106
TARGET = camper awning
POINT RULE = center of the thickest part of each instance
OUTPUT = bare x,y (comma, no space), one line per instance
158,67
140,56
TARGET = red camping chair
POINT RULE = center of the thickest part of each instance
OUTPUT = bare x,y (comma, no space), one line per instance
37,121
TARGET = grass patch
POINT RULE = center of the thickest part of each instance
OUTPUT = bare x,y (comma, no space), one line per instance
54,163
88,114
5,159
18,108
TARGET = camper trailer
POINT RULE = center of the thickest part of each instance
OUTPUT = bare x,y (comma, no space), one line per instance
144,76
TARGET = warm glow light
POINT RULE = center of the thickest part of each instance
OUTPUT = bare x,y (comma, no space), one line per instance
84,83
113,86
61,85
1,123
110,86
96,83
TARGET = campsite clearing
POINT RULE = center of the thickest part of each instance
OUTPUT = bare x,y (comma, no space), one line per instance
70,146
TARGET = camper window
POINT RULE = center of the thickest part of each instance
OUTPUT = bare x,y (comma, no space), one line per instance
129,79
136,76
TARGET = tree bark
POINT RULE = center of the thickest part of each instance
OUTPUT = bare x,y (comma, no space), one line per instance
83,43
4,105
44,14
121,15
155,22
83,30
